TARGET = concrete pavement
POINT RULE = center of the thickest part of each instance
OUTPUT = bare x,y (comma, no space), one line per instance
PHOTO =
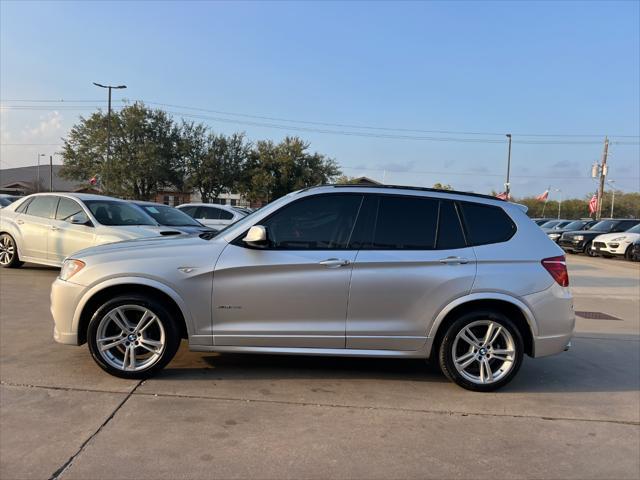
576,415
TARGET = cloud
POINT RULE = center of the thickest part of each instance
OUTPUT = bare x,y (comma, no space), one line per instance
49,126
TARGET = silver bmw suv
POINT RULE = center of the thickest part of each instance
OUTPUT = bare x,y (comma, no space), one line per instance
464,280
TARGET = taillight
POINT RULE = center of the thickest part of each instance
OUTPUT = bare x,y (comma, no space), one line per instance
557,267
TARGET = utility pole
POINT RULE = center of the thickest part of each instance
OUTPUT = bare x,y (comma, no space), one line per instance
613,195
603,175
38,170
559,190
51,173
109,87
508,185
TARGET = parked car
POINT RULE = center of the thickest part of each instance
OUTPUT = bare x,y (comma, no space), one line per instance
46,228
172,217
6,200
617,244
581,241
635,251
541,221
556,233
212,215
554,224
465,280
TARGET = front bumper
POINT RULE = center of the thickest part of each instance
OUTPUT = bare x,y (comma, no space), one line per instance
572,245
612,248
64,300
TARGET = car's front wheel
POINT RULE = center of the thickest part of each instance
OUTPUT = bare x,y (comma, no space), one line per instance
589,250
481,351
9,252
132,336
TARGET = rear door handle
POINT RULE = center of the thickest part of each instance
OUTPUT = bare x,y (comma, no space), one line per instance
454,260
334,262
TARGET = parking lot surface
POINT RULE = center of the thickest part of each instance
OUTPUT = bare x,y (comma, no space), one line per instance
575,415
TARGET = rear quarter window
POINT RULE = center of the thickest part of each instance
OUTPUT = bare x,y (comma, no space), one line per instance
486,224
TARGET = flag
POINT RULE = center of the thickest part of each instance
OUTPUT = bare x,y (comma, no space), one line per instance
94,180
593,204
544,196
503,196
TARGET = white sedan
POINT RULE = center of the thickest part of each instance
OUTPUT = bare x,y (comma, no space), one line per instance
213,215
617,244
45,228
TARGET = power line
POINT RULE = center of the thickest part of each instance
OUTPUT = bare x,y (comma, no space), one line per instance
325,124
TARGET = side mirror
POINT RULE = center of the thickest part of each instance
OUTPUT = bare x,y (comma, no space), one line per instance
256,236
79,219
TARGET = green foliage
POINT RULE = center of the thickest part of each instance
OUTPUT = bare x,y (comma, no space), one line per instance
626,205
441,186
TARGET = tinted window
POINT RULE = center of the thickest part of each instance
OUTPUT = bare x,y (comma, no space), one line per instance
109,212
449,229
486,224
208,213
635,229
405,223
626,225
604,226
191,210
169,216
314,223
224,215
577,225
42,206
67,208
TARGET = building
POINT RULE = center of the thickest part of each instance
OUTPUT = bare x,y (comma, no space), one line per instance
26,180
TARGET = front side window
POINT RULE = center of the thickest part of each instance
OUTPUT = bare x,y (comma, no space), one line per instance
113,213
405,223
486,223
324,222
190,210
42,206
67,208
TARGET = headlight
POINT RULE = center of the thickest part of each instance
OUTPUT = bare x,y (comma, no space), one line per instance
554,235
70,268
618,239
578,237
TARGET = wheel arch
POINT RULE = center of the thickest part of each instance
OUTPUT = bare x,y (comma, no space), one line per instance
102,292
514,309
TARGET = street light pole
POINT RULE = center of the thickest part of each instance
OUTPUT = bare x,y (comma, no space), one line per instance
38,171
559,190
508,184
613,195
108,87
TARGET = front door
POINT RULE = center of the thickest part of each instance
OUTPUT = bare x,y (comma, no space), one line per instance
415,263
294,291
65,237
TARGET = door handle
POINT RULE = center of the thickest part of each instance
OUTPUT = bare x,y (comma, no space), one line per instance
454,260
334,262
19,222
53,227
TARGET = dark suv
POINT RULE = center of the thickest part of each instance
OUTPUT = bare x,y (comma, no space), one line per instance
581,241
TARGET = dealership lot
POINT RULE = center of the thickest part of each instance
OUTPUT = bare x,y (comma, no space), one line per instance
575,415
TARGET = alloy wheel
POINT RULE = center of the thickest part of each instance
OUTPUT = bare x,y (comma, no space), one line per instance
484,352
130,338
7,250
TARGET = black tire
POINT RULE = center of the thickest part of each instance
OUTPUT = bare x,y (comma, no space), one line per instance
446,355
7,242
168,324
628,254
590,251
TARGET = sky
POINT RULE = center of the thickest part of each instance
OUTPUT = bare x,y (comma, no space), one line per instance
406,93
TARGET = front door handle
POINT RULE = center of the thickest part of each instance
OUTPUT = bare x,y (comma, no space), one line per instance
53,227
19,222
334,262
454,260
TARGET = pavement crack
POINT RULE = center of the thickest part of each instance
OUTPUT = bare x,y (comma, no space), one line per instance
60,471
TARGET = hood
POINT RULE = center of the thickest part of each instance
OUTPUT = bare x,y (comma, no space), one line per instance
607,237
592,233
144,246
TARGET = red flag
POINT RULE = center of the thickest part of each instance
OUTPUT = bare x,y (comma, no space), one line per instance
543,196
93,180
593,204
503,196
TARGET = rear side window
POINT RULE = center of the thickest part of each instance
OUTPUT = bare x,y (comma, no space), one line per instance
42,206
405,223
224,215
450,233
208,213
486,224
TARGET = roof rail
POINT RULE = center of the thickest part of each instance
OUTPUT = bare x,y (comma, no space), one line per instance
404,187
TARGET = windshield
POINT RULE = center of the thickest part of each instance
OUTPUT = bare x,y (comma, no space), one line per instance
5,201
114,213
169,216
635,229
577,225
550,224
603,226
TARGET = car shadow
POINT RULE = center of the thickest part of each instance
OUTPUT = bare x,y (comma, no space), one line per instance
606,363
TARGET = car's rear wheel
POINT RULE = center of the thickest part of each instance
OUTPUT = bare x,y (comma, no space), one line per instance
132,336
9,252
481,351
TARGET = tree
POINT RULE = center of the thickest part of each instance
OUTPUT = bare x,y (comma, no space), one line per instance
144,152
626,205
442,186
273,170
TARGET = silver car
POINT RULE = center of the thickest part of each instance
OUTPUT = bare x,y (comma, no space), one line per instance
45,228
464,280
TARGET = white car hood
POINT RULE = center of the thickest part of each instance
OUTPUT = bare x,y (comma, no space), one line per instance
607,237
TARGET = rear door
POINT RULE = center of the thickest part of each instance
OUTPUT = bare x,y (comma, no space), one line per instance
413,261
35,226
65,237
